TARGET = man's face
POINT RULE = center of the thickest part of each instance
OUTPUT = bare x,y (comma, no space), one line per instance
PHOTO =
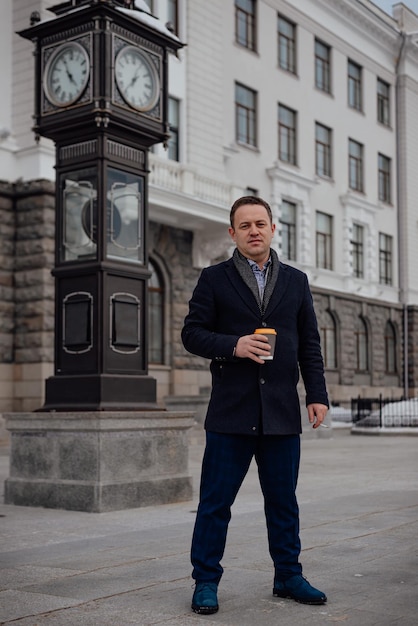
253,232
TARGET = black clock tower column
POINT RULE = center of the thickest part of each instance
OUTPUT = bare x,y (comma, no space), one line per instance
101,95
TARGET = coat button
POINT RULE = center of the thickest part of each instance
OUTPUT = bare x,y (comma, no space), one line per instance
262,381
254,428
264,324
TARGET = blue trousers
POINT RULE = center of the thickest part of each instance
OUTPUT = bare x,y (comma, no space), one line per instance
225,463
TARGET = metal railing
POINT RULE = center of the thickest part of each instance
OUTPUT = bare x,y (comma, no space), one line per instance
385,412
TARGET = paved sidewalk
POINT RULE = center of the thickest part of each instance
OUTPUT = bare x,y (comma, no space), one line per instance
358,497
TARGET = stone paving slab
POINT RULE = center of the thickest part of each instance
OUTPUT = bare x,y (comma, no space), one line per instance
359,525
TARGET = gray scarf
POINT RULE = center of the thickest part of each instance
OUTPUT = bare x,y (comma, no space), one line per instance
246,272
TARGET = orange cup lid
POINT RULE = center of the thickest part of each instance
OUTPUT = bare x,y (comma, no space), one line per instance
265,331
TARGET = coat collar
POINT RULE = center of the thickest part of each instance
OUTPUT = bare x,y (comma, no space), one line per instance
246,294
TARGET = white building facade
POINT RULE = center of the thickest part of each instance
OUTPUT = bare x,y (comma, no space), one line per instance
311,105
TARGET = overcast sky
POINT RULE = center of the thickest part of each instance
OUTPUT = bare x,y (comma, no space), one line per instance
387,5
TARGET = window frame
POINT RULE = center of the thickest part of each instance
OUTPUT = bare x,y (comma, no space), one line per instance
383,102
288,61
357,251
287,134
322,66
361,333
391,365
173,144
288,228
384,167
324,243
159,332
328,334
247,19
250,117
355,86
385,259
323,157
355,166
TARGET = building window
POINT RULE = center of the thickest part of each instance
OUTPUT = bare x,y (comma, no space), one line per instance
173,15
246,115
287,135
288,230
355,165
362,345
357,248
390,348
354,86
384,167
287,44
173,123
383,102
245,23
323,241
156,315
329,341
323,137
385,259
149,4
322,66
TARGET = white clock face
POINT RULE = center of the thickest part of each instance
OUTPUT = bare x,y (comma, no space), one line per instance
137,78
66,74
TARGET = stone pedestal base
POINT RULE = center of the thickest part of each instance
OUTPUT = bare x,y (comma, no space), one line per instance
98,461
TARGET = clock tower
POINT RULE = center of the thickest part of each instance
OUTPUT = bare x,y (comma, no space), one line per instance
101,96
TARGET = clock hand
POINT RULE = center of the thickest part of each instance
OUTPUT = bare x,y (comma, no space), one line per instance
134,79
70,76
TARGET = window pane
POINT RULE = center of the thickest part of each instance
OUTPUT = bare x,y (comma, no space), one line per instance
354,86
172,11
323,150
384,167
288,230
173,120
323,241
287,44
355,165
390,349
362,346
383,102
328,342
245,103
385,259
156,316
322,66
245,26
357,246
287,135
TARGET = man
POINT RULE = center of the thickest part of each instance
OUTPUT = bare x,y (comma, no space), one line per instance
254,409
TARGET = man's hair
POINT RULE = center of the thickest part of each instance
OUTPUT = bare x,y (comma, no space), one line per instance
249,200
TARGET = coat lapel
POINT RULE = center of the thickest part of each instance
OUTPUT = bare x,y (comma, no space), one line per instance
239,287
280,288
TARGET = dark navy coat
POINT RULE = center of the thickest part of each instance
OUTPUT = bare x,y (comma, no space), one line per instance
248,398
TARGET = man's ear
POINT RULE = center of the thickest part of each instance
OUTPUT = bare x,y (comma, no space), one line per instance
231,231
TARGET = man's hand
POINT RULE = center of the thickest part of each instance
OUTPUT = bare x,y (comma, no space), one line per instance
252,347
316,414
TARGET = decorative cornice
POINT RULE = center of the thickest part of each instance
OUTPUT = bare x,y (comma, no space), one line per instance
352,200
279,172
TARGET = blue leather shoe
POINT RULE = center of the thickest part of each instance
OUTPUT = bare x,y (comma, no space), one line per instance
298,588
205,599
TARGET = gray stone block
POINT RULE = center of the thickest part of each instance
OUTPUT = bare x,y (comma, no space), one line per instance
98,461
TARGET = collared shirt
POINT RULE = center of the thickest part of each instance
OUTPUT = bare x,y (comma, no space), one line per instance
260,275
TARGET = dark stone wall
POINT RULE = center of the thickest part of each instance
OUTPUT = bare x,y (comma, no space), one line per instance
33,283
7,253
